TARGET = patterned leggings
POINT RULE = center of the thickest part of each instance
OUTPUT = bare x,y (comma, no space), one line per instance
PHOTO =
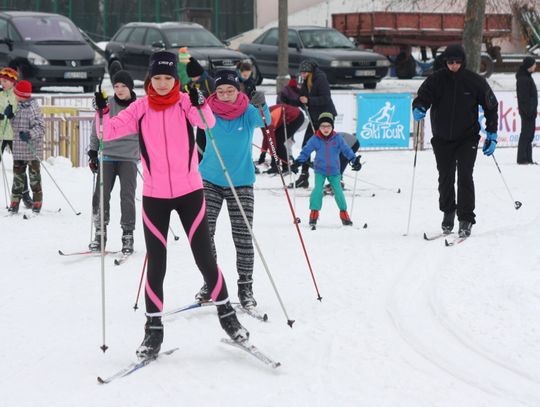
214,195
156,216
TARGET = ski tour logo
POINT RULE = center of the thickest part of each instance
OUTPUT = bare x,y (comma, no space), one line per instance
382,125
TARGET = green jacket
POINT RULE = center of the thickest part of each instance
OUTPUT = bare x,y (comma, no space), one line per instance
7,97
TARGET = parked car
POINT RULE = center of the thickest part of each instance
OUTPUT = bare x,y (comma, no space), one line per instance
335,54
48,50
131,47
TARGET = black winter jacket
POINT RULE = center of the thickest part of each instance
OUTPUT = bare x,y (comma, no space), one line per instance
319,98
527,94
454,99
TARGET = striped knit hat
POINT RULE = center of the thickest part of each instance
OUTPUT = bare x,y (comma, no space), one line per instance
9,74
23,89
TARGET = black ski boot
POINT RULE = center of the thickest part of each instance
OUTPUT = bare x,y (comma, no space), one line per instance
27,199
245,292
204,294
448,222
230,324
464,228
301,182
153,338
262,158
95,245
127,242
272,170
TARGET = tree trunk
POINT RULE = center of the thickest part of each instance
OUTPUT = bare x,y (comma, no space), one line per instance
472,32
283,55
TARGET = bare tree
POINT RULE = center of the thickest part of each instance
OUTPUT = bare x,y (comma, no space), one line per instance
283,54
473,32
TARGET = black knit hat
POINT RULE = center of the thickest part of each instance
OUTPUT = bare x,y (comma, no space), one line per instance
226,77
163,63
307,65
193,68
528,62
326,117
123,77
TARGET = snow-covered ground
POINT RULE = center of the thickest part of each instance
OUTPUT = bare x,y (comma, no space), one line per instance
403,322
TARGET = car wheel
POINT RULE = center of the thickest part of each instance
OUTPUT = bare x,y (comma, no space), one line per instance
486,66
114,67
370,85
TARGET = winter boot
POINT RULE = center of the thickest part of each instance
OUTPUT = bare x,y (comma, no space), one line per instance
36,207
272,170
301,182
448,222
95,245
464,228
230,324
27,200
262,158
127,242
153,338
204,294
245,292
14,207
313,217
344,216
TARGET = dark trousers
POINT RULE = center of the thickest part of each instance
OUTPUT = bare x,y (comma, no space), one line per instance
343,161
460,155
200,140
126,171
281,149
307,135
526,137
156,217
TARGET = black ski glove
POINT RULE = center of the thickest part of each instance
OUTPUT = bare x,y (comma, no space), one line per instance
25,136
295,165
8,112
93,161
196,97
100,101
356,164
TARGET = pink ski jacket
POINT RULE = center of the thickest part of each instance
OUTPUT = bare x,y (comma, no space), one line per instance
168,153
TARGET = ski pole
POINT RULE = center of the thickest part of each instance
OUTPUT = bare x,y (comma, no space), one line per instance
517,204
273,150
4,176
397,191
309,117
136,306
353,193
291,180
52,178
92,215
170,228
248,226
102,220
416,131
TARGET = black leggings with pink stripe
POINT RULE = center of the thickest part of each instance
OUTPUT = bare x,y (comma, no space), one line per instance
156,217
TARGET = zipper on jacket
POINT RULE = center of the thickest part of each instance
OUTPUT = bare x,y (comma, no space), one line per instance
167,152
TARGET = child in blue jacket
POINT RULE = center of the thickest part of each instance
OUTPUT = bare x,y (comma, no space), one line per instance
327,145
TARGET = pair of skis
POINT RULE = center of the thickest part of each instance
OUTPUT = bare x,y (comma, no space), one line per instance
448,241
119,260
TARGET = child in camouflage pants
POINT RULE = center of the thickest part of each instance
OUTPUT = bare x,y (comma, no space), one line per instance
28,131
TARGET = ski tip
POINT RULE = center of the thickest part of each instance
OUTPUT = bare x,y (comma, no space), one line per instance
100,380
61,253
425,236
447,243
365,226
290,322
399,190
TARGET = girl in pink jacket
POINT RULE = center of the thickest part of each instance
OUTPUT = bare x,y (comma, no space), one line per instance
171,182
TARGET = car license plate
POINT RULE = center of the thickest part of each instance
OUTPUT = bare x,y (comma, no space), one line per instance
75,75
364,73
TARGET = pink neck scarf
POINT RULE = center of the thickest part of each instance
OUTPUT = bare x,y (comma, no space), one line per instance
226,110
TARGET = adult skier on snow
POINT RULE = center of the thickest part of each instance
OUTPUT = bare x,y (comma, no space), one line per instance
454,95
527,96
236,119
120,158
172,182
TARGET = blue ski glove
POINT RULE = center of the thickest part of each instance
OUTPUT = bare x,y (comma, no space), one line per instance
24,136
419,113
356,164
490,144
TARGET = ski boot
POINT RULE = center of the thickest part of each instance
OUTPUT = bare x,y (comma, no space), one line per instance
153,338
448,222
204,294
95,245
245,292
464,228
262,158
344,216
127,242
27,200
301,182
313,217
272,170
14,207
36,207
230,324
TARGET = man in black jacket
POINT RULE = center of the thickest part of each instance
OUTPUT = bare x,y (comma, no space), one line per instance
315,97
454,95
527,96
